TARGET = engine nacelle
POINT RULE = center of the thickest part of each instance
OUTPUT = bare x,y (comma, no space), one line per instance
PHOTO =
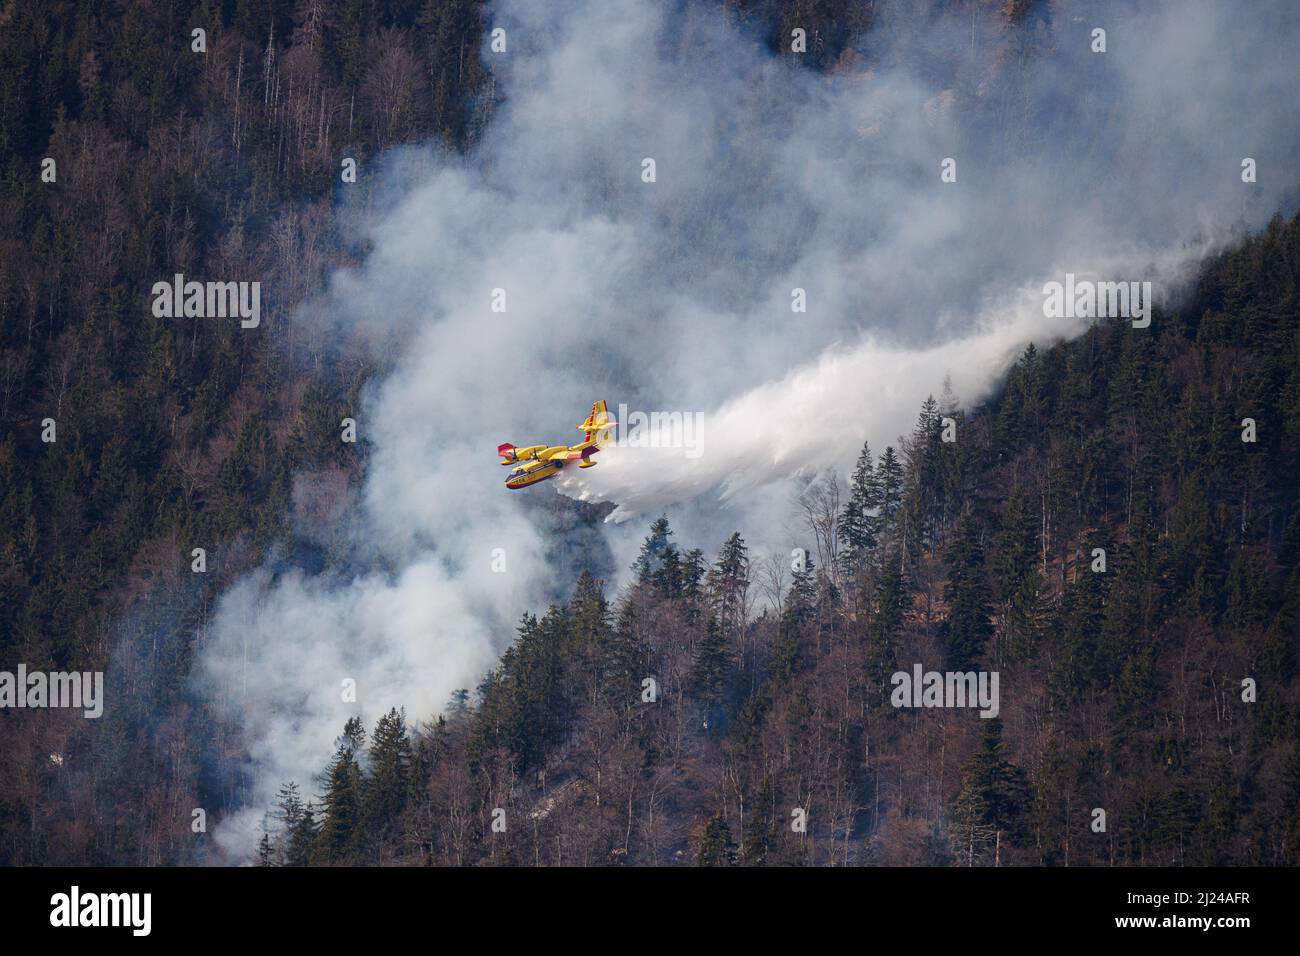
510,454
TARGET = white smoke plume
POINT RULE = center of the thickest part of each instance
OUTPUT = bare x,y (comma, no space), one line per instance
817,415
675,295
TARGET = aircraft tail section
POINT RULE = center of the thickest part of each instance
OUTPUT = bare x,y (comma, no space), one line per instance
598,424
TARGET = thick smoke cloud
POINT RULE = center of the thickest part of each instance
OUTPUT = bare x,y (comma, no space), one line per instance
676,295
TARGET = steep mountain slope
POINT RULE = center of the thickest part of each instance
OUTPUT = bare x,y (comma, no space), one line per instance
1120,691
1099,534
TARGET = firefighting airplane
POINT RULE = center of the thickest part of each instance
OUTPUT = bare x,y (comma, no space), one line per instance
542,461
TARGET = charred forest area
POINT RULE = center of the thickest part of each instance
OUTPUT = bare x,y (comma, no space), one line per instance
1121,686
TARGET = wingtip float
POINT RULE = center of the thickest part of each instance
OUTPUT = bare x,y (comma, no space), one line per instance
536,463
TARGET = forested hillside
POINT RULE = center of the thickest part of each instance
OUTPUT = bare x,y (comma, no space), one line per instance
1121,689
176,433
1121,683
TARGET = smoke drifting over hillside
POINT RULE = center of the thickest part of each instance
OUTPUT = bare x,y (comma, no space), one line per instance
676,294
811,418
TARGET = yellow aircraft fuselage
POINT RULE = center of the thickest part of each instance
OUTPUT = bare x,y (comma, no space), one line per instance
522,477
536,463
